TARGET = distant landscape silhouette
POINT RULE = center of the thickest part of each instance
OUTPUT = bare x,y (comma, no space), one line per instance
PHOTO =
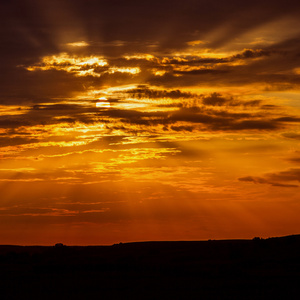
214,269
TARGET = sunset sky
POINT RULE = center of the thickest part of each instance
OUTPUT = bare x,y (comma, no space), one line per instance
148,120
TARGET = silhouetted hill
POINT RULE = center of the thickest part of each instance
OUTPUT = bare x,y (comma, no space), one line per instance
224,269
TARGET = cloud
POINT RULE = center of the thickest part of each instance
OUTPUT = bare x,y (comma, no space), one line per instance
251,53
213,99
276,179
289,175
261,124
292,135
78,44
294,160
146,92
288,119
182,128
261,180
14,141
216,99
150,108
94,66
202,71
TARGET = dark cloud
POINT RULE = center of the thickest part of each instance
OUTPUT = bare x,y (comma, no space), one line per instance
276,179
294,160
41,114
289,175
214,99
15,141
194,61
182,128
146,92
256,124
269,106
288,119
58,107
291,135
261,180
250,53
20,86
201,72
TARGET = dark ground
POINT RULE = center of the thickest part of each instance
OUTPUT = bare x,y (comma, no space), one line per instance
229,269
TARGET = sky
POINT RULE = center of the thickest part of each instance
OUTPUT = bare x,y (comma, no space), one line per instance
148,120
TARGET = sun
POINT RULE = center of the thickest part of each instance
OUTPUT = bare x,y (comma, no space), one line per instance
103,103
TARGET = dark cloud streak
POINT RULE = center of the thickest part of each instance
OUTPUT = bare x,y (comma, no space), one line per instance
276,179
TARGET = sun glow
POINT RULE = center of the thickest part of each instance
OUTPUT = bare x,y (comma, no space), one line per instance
125,70
103,103
78,44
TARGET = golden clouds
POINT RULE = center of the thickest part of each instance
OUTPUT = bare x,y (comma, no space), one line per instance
196,42
135,70
140,56
69,63
80,66
78,44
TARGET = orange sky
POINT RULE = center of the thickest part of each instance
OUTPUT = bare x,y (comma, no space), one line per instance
130,121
